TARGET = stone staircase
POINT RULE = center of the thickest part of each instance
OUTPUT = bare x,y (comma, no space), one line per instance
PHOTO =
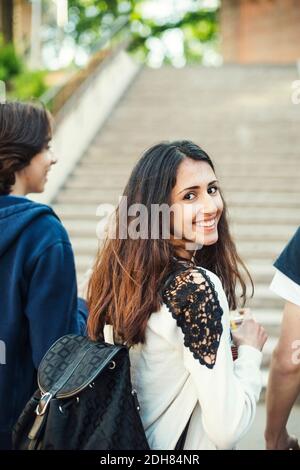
245,119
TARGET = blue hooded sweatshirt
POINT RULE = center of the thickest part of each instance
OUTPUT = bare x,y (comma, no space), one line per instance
38,299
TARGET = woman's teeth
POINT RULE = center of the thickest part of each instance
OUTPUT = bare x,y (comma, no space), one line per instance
208,223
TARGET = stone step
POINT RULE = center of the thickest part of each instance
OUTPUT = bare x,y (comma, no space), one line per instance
86,228
93,196
83,263
269,164
225,165
239,215
260,199
262,232
248,250
274,215
265,298
243,136
268,251
270,319
263,199
261,273
231,183
110,181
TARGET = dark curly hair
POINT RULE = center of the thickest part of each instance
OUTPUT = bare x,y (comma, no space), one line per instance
25,130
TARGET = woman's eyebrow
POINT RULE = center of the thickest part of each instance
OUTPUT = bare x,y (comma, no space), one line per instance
197,187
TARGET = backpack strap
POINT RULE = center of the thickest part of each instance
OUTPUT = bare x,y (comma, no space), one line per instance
42,406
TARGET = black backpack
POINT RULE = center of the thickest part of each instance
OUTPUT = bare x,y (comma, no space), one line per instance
85,401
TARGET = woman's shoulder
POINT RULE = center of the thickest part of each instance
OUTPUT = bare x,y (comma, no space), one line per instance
187,276
191,298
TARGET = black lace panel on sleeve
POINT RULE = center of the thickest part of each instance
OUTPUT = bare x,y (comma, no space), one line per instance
193,302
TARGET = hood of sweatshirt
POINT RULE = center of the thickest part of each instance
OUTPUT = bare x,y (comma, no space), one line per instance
16,213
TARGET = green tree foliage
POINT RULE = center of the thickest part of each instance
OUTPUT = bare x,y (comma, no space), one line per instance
10,63
20,83
90,18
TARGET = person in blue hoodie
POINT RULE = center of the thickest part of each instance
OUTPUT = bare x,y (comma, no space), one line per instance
38,290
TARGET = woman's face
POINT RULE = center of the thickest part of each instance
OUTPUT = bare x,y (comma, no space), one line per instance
197,205
34,176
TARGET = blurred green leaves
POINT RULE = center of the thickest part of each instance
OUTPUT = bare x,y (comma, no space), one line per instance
90,19
20,83
10,63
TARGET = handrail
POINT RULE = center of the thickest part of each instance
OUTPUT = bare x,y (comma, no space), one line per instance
57,96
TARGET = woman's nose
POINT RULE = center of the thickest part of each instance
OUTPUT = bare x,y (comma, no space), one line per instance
209,205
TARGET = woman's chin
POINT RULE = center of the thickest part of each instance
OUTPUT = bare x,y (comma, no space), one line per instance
207,239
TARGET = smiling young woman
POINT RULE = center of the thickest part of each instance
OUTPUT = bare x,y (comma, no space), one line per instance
168,297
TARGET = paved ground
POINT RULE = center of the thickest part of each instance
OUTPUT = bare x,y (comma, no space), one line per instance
255,437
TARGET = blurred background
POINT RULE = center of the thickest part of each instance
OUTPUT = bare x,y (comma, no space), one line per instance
119,76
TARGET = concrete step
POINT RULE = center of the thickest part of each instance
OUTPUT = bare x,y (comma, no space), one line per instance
263,232
83,263
260,199
238,215
268,251
84,246
75,212
252,183
263,199
226,163
261,273
231,183
274,215
265,298
92,196
86,228
270,319
87,182
248,250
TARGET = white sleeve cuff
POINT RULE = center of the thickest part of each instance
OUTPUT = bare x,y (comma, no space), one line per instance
286,288
249,352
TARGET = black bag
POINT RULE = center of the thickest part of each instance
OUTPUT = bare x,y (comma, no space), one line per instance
85,401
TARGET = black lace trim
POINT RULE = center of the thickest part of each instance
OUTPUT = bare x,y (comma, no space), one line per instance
193,302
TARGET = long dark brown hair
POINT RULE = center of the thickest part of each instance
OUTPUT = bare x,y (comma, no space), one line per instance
124,288
25,130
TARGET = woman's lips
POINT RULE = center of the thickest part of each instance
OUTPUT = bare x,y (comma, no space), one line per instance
207,225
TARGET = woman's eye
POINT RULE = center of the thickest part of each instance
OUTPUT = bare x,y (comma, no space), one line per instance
190,196
212,190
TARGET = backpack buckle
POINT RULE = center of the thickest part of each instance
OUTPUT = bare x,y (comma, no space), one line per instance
43,403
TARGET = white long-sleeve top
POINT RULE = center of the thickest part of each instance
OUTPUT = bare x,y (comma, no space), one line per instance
185,368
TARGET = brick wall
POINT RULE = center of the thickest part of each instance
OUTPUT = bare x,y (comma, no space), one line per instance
260,31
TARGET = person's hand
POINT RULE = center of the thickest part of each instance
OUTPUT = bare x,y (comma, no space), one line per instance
250,333
284,442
